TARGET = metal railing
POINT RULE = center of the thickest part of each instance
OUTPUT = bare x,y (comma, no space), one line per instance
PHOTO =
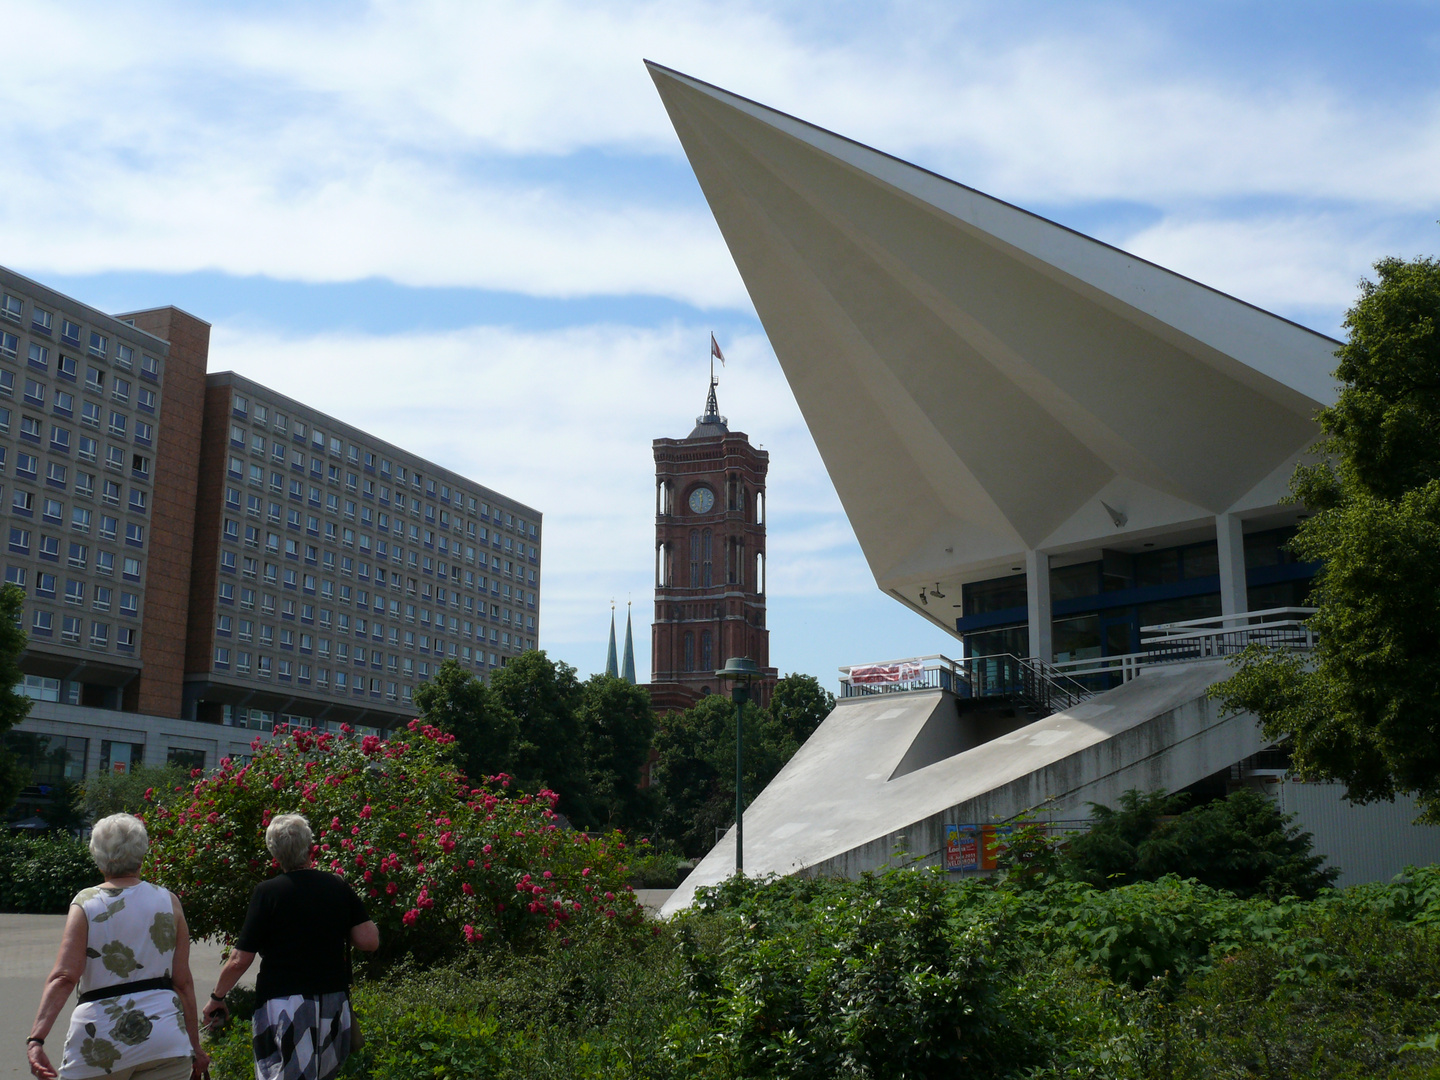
1050,688
1200,639
1030,681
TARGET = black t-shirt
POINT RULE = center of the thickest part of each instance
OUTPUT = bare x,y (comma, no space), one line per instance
300,925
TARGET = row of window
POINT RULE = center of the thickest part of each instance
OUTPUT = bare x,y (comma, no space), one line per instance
258,476
63,438
298,549
47,547
244,630
91,413
37,356
101,596
96,344
301,673
328,591
72,631
261,414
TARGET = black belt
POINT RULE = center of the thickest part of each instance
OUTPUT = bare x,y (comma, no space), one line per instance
164,982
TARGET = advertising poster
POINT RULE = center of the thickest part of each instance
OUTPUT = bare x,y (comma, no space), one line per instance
962,848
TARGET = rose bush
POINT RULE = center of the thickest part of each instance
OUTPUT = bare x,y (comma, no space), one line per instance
442,864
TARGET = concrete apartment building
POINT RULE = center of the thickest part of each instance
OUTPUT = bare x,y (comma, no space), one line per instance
204,557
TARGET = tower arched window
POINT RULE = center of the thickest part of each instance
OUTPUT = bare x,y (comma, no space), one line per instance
694,558
707,577
707,660
689,650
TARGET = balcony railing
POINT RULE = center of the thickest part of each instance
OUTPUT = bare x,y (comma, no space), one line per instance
1001,675
1200,639
1050,688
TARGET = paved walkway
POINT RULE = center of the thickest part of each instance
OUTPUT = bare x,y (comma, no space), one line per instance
27,953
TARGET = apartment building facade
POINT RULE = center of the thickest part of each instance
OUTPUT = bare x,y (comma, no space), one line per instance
203,557
335,572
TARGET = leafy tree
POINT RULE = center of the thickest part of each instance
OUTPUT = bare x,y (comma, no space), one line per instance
130,792
695,767
799,704
1242,844
1365,707
543,696
486,732
618,726
14,707
1109,854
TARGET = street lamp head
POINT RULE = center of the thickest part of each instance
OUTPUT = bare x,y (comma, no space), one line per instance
739,671
739,667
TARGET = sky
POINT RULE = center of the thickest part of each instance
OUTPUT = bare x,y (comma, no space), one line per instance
469,228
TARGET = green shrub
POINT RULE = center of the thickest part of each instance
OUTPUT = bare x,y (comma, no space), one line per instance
1166,929
443,865
1335,997
43,873
892,975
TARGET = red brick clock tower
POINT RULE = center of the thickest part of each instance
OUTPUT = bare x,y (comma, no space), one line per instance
709,561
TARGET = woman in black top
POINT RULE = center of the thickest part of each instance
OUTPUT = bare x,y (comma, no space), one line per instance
302,923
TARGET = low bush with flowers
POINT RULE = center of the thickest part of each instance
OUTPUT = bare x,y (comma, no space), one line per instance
443,864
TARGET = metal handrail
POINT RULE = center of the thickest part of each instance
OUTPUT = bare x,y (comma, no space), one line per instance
1059,686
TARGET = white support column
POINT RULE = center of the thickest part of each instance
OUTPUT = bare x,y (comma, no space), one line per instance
1230,539
1037,596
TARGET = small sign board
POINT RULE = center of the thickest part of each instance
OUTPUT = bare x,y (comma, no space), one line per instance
962,848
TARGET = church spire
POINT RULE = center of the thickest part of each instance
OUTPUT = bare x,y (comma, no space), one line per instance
628,671
612,666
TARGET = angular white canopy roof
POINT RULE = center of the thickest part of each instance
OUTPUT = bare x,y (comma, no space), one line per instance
982,382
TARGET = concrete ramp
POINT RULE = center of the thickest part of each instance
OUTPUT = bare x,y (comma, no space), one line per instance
888,772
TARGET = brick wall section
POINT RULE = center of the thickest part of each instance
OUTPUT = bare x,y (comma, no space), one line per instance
210,499
159,689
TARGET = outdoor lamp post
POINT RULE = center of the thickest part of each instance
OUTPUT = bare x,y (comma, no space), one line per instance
739,671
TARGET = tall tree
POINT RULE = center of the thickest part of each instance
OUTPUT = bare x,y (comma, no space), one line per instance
484,729
543,695
1365,709
619,727
800,704
695,767
14,706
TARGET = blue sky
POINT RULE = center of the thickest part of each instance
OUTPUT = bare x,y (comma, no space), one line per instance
488,202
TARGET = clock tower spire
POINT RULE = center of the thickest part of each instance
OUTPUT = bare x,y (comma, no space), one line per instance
709,560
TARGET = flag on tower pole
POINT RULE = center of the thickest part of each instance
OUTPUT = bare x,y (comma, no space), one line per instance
715,349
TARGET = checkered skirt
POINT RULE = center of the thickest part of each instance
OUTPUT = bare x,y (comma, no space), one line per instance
302,1037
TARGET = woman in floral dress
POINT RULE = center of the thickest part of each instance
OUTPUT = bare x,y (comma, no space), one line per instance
127,949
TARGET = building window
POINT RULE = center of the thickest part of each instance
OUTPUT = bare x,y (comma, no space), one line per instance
689,659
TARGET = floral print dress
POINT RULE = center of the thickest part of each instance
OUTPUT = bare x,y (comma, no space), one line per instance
131,939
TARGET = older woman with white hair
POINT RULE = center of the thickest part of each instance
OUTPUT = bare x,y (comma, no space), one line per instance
302,923
127,948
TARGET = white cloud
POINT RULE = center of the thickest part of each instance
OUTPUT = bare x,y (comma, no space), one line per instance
433,143
1280,262
563,421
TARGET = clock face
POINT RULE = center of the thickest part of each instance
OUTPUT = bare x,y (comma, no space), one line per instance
702,500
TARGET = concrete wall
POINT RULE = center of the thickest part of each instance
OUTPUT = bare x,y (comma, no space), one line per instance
1368,843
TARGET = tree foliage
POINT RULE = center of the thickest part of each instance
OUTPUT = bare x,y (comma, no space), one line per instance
695,767
1242,844
14,707
106,793
1365,708
590,742
536,721
443,862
